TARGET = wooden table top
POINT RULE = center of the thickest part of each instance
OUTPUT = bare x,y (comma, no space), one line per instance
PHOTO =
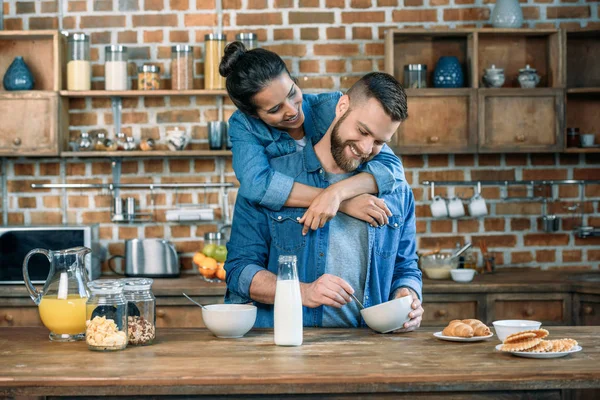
193,361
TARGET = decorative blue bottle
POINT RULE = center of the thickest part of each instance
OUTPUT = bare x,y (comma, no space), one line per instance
18,76
448,73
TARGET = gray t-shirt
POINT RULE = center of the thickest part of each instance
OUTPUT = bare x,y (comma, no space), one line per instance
347,257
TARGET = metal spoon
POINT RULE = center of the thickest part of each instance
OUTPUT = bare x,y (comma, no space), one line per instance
193,301
357,302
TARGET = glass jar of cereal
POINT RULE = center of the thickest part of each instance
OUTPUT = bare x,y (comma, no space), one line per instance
106,312
141,311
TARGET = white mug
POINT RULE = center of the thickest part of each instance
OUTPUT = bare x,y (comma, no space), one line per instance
456,208
477,206
587,140
438,207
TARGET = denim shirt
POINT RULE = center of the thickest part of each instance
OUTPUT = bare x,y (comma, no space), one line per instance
255,143
259,236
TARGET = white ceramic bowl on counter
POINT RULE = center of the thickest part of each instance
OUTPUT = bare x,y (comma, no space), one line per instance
462,274
507,327
389,316
229,321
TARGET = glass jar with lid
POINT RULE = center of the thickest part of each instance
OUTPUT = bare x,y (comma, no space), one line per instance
182,67
415,76
214,49
149,77
249,40
141,311
115,68
79,70
106,311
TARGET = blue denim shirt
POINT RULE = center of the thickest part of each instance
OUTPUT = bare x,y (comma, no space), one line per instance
255,143
259,236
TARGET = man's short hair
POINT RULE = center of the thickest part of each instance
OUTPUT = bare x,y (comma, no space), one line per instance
385,89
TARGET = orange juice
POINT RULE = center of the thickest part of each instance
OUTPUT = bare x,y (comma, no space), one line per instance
63,316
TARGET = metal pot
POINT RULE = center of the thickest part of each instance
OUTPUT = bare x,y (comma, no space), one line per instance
550,223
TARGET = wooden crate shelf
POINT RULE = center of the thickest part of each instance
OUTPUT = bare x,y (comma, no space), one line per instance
142,93
148,154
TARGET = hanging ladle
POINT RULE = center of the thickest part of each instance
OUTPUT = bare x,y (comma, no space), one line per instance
193,301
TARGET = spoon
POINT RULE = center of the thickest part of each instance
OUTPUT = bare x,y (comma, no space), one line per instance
193,301
357,302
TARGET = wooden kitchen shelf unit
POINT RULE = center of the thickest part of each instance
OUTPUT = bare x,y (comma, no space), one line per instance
147,154
33,121
468,120
141,93
583,84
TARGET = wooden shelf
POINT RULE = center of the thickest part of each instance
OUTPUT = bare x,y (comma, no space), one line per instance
438,92
582,150
142,93
590,90
157,153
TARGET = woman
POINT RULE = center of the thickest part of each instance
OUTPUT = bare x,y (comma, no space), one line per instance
273,119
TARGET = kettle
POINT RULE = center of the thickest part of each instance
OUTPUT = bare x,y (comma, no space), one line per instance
150,258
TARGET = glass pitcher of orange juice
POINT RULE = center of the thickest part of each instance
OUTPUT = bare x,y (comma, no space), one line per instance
61,302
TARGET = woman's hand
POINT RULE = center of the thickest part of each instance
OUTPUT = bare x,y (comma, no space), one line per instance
328,290
368,208
322,209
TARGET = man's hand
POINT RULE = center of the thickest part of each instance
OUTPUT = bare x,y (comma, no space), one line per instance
322,209
416,315
328,290
368,208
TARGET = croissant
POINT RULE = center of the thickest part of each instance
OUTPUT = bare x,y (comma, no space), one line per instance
458,329
479,328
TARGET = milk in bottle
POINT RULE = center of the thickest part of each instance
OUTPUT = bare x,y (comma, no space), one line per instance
288,304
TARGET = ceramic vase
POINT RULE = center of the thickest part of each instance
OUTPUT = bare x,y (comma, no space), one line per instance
507,14
448,73
18,76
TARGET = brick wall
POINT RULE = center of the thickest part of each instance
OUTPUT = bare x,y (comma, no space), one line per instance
328,44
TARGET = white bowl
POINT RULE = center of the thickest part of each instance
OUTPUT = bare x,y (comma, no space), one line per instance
229,321
507,327
388,316
462,274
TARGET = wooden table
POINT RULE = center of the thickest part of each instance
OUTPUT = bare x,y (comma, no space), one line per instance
330,362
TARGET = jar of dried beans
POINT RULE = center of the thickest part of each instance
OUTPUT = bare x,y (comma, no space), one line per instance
106,312
141,311
182,67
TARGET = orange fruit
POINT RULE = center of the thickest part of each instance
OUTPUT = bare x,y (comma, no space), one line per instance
209,263
198,258
208,267
220,265
220,274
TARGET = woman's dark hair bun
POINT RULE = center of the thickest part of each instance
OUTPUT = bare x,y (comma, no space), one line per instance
233,52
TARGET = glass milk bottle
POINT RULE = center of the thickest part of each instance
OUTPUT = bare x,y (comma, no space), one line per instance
288,304
79,70
115,68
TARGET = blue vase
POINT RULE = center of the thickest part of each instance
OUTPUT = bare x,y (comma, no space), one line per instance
18,76
448,73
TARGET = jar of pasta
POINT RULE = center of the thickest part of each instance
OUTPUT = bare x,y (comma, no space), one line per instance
149,77
182,67
141,311
214,50
106,312
79,70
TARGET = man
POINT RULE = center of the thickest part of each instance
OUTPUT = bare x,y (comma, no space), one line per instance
346,255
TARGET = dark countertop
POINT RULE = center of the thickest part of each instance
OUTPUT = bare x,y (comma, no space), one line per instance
342,361
513,281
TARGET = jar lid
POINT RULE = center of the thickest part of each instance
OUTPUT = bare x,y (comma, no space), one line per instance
132,284
494,69
79,37
215,36
415,67
245,36
181,48
149,68
213,236
115,49
527,69
106,286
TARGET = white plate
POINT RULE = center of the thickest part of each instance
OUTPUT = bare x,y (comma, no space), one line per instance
541,355
462,339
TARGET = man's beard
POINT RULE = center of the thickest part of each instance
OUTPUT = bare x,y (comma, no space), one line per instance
337,149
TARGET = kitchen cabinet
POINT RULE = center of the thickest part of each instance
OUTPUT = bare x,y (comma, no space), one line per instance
586,309
474,119
440,309
20,316
548,308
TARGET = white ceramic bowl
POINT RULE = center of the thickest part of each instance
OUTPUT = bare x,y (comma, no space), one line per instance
229,320
462,274
507,327
388,316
